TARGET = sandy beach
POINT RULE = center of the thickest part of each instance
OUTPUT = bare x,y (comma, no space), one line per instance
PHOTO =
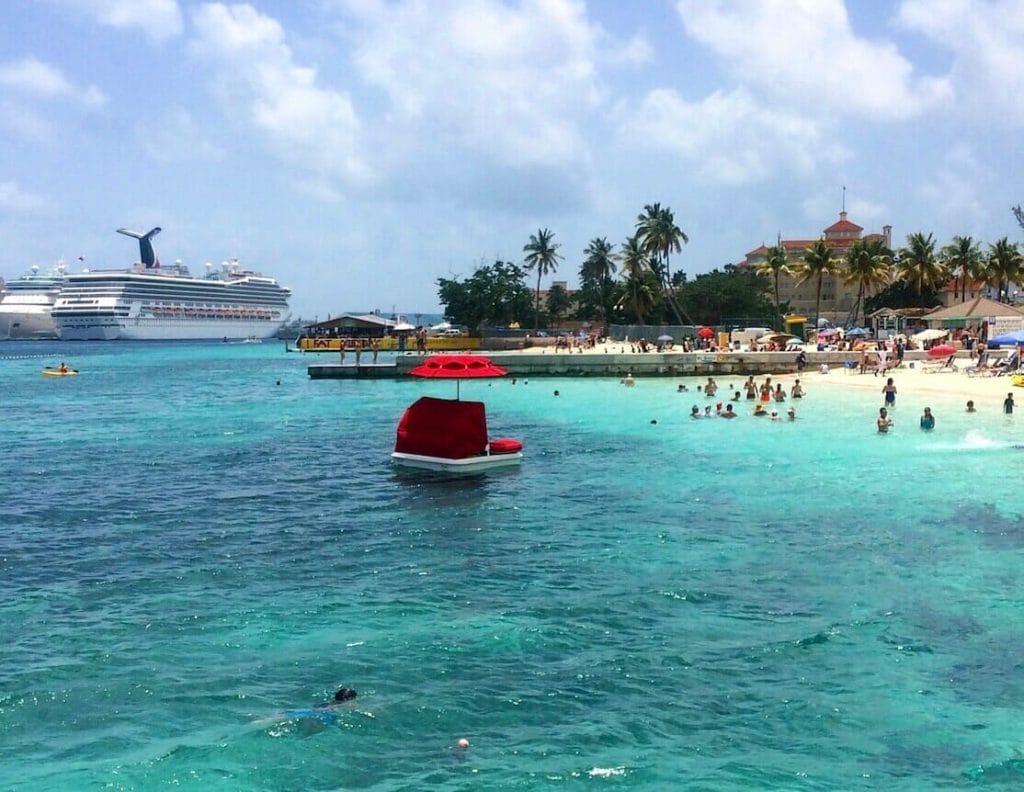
917,385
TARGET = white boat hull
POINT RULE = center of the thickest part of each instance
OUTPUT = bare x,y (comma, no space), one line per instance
475,464
27,324
161,329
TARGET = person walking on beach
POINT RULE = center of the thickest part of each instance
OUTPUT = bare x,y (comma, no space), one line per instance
375,348
927,420
884,421
890,393
1008,404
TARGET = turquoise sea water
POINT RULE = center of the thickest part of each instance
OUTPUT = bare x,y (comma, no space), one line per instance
188,549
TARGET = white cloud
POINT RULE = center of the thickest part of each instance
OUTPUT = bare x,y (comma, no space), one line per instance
14,199
24,123
987,41
511,83
310,127
727,138
806,51
158,19
176,137
35,78
951,190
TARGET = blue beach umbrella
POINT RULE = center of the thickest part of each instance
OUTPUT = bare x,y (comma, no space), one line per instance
1012,338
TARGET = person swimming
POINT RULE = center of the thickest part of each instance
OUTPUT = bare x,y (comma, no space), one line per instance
325,711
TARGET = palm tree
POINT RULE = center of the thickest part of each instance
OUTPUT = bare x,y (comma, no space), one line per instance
636,266
1004,264
543,256
868,263
918,266
659,237
963,258
775,262
816,262
597,268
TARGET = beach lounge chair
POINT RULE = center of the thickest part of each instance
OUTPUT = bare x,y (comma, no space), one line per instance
850,366
948,365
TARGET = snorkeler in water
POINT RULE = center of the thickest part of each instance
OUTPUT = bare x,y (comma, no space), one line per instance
325,710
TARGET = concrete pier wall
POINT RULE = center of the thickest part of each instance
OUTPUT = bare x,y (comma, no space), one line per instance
591,364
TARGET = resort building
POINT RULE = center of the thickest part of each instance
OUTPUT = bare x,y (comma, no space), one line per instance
837,298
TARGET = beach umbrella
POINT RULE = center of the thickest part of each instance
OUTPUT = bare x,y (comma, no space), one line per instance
932,334
404,327
665,337
857,332
705,332
442,326
942,350
828,332
1012,338
457,367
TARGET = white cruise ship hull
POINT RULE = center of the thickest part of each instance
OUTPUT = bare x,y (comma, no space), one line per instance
163,329
23,323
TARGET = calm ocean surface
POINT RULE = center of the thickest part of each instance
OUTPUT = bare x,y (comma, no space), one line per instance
187,549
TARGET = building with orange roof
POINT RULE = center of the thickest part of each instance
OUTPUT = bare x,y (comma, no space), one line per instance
837,298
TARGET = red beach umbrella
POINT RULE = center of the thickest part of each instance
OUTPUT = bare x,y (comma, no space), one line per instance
942,350
457,367
705,332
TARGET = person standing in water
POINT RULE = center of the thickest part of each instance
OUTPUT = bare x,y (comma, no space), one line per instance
889,389
927,420
884,422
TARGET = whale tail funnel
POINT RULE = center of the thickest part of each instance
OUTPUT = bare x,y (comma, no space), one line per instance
146,254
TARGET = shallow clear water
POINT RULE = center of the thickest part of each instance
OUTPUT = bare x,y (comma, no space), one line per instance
187,549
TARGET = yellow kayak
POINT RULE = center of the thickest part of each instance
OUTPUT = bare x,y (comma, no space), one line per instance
58,373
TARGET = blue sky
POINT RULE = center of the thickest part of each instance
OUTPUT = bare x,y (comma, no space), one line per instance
360,149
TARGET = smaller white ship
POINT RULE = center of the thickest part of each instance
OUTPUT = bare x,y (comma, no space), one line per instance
27,303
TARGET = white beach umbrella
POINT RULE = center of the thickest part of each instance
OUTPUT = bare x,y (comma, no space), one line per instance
932,334
442,326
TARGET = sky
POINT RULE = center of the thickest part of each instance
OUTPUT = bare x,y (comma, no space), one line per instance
358,150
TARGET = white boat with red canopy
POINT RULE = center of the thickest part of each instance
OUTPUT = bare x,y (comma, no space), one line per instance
450,435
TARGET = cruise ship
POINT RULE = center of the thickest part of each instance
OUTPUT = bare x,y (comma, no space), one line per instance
150,302
26,304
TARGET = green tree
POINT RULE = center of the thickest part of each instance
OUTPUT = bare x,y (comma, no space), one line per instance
963,258
642,285
597,285
496,294
917,264
868,263
1004,266
559,301
542,256
775,263
659,237
731,292
816,262
899,294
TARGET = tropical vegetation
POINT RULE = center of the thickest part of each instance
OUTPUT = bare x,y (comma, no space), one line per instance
634,283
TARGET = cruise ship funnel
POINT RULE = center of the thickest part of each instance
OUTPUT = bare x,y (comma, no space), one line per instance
146,254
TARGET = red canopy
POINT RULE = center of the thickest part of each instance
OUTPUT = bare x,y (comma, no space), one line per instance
942,350
443,428
457,367
705,332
